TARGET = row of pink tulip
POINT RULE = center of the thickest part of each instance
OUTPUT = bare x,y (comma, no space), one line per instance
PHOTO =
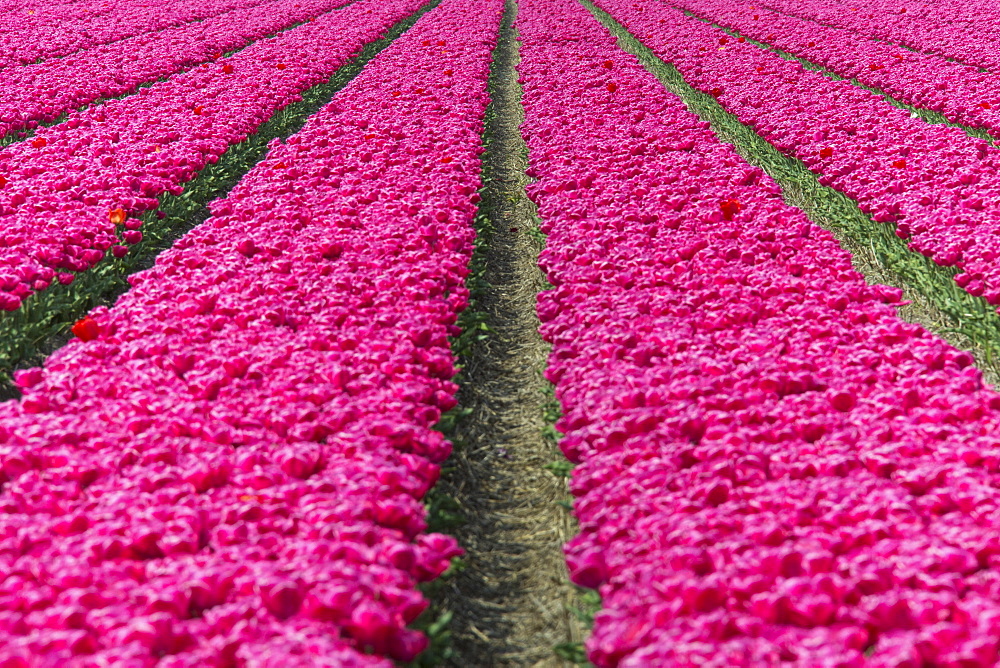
227,468
934,182
42,92
965,31
773,468
31,14
21,15
961,93
35,33
67,193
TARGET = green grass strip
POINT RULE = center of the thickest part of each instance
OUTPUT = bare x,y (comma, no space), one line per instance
42,324
939,304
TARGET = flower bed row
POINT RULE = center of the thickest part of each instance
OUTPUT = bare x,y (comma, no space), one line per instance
961,93
36,32
965,31
773,467
38,93
227,467
935,183
68,193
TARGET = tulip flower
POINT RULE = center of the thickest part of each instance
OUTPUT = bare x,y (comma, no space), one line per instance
117,216
86,329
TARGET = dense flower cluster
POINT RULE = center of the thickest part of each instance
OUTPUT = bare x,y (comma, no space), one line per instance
935,183
227,468
42,92
66,194
962,93
37,31
964,30
773,467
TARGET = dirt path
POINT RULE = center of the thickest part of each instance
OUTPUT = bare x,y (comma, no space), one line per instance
510,604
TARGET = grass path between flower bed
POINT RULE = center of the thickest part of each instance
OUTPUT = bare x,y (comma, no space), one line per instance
511,603
938,303
42,324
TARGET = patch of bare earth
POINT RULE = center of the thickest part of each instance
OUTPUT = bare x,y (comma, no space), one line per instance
511,602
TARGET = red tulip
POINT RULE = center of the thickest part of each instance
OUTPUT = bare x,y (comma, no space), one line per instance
117,216
730,207
86,329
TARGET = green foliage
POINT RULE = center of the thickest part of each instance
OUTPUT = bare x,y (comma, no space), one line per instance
561,468
450,420
573,652
551,409
539,238
435,622
551,412
444,512
589,605
438,630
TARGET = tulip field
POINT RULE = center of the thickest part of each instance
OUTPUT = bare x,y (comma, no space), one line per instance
245,261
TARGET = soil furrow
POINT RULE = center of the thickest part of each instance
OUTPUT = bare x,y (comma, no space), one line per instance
511,602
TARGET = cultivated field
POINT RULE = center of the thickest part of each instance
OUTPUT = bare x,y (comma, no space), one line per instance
623,333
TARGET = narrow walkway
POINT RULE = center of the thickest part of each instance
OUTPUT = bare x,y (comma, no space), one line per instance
511,602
